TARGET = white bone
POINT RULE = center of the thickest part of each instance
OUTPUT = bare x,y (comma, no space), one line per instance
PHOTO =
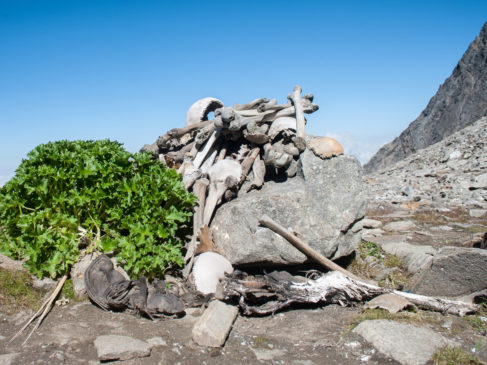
199,111
222,175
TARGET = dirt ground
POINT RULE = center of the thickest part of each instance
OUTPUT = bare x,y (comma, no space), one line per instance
304,336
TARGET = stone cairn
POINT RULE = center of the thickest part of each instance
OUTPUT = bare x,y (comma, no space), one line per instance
236,150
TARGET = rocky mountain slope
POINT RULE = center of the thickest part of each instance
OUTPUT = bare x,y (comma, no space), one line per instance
451,172
460,100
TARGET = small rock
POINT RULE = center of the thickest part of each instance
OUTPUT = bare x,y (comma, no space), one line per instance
267,355
9,264
371,223
455,155
414,257
480,182
399,226
214,325
405,343
390,302
43,284
477,213
156,341
115,347
7,359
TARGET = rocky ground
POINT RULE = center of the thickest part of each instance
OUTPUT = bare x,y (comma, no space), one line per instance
432,200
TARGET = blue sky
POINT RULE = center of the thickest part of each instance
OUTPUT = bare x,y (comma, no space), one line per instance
129,70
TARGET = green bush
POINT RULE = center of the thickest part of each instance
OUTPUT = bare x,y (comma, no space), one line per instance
93,191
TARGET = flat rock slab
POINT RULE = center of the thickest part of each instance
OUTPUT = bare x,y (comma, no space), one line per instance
453,271
391,302
399,226
414,257
371,223
405,343
214,325
115,347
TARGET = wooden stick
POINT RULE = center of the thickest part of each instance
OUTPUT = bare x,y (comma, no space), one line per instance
303,247
45,307
48,307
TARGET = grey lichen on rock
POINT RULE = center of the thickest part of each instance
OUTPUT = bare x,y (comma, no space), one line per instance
324,204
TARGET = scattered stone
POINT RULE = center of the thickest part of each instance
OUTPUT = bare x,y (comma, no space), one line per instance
267,355
116,347
156,341
453,271
399,226
8,359
390,302
461,181
413,257
43,284
480,182
214,325
405,343
371,223
9,264
209,268
477,213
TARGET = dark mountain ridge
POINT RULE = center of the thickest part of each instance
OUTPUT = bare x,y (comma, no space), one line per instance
460,101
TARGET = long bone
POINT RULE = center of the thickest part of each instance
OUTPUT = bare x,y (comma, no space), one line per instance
201,155
252,105
199,189
223,175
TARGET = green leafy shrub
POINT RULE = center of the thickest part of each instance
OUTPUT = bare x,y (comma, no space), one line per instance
118,202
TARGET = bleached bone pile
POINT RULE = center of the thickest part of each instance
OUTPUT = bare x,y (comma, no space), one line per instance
220,153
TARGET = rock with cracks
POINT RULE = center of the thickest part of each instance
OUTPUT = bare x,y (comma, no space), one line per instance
405,343
324,206
453,271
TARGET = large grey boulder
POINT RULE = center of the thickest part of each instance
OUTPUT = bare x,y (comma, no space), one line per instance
453,271
324,204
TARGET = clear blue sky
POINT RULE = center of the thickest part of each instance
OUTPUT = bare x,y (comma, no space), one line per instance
129,70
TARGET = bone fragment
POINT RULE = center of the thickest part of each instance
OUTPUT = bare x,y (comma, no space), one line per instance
206,243
281,124
257,138
258,172
199,189
248,162
209,161
204,134
252,105
199,111
201,155
178,156
295,98
223,175
179,132
221,154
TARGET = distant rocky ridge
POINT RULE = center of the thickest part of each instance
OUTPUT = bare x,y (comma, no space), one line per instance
451,172
460,101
